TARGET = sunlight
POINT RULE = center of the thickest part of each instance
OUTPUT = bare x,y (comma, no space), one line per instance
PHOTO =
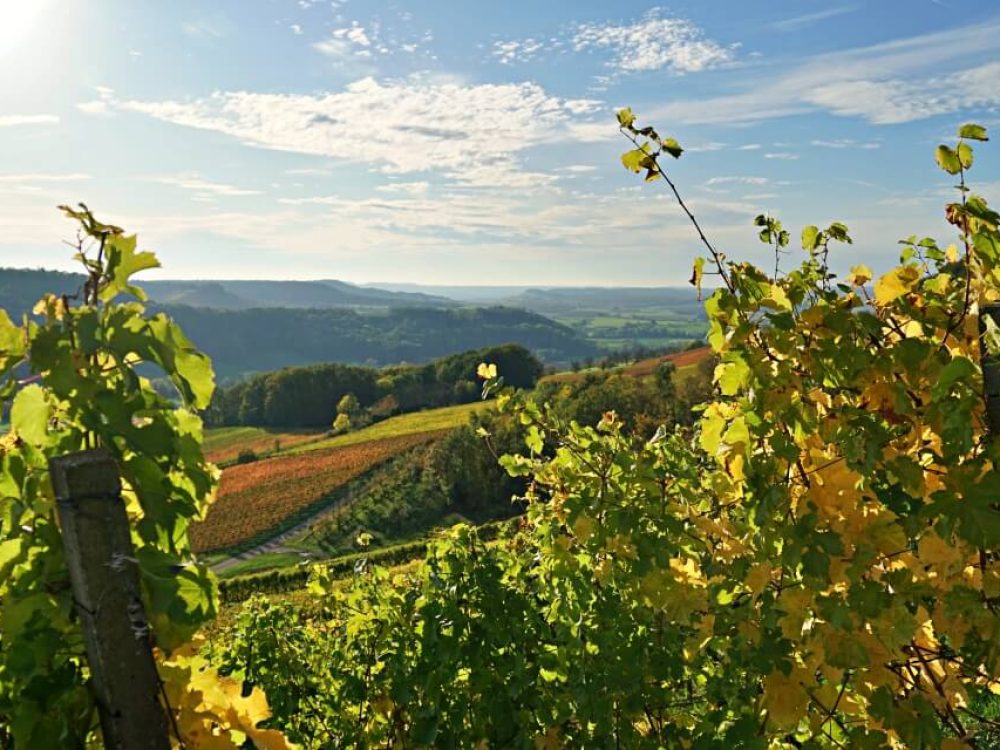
18,19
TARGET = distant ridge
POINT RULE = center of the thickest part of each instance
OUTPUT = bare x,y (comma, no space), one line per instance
21,288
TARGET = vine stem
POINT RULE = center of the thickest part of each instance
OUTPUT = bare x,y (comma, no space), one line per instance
716,255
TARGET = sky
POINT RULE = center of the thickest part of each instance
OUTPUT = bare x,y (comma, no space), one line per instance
475,142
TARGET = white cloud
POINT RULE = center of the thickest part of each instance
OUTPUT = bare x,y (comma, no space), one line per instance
308,171
885,83
808,19
7,121
895,100
204,188
468,131
654,43
409,188
296,29
782,156
750,147
101,105
44,177
846,143
711,146
738,179
579,168
348,41
517,51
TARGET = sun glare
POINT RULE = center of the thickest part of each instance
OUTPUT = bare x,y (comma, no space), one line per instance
19,19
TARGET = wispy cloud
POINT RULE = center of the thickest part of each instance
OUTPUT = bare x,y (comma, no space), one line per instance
204,188
782,156
44,177
808,19
408,188
348,41
738,179
517,51
415,128
883,83
9,121
207,28
654,43
846,143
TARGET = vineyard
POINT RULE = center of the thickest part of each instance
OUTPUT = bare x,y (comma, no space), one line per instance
256,498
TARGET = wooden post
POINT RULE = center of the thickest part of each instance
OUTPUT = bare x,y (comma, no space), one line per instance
991,369
105,580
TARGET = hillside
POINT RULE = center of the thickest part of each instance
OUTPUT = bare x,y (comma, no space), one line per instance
21,288
363,330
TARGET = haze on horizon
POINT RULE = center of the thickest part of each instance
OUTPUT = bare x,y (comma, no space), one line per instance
447,144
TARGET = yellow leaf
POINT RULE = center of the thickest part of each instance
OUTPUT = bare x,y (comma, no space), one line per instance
758,578
933,550
951,254
952,743
486,372
785,698
583,528
776,298
896,283
860,275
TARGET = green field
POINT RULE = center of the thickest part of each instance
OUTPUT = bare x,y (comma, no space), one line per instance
404,424
223,444
614,329
265,562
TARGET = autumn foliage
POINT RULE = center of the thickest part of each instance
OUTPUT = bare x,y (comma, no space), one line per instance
256,498
814,565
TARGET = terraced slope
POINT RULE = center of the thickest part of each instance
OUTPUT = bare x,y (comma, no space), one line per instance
224,444
257,498
260,500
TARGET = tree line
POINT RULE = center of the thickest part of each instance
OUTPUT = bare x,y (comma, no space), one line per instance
309,396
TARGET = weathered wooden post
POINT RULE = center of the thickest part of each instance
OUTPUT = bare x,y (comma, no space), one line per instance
105,580
991,369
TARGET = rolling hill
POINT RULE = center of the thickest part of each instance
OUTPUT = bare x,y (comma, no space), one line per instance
249,326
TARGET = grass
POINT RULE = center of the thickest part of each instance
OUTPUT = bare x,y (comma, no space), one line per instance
430,420
260,563
223,444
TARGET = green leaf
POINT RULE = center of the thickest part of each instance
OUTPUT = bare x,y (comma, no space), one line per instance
697,273
732,376
810,238
30,415
965,155
973,132
959,368
534,439
123,262
948,160
11,341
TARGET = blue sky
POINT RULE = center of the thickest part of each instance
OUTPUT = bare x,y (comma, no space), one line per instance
474,142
